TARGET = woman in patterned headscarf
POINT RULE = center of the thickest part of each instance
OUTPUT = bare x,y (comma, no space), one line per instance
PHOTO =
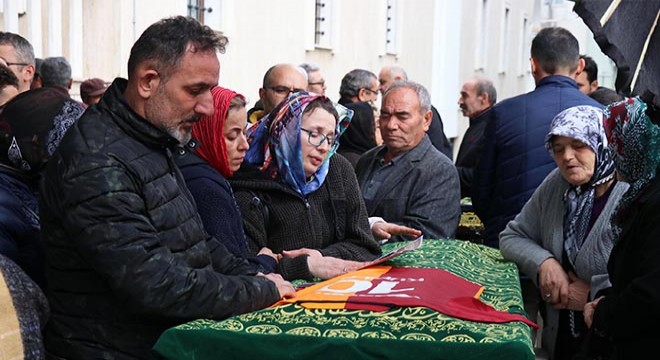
297,198
629,313
562,237
207,162
31,127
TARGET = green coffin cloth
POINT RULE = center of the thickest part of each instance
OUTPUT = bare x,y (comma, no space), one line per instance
293,332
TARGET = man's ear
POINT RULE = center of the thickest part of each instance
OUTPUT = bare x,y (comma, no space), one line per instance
68,86
262,94
533,65
148,82
485,99
361,95
580,67
30,70
428,117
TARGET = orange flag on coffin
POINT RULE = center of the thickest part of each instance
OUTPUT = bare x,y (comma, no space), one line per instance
381,287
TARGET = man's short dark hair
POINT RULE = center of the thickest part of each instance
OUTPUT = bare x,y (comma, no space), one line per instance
7,78
590,67
165,42
355,80
24,50
55,71
605,96
555,48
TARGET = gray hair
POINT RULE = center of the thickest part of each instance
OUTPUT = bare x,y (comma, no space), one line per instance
396,70
422,94
24,50
309,68
486,86
355,80
55,71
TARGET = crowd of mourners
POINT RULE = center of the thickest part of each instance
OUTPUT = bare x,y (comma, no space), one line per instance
162,198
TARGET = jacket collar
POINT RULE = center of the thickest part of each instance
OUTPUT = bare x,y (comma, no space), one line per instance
416,154
185,155
131,122
558,80
405,164
481,117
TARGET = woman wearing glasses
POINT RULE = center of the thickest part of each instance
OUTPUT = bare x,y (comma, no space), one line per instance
297,198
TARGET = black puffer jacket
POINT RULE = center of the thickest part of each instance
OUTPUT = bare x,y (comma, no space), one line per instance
332,219
127,256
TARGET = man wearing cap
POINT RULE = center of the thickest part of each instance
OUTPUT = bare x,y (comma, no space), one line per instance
91,91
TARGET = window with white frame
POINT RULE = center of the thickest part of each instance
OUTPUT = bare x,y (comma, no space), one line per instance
391,28
197,9
213,16
481,49
323,24
523,52
504,50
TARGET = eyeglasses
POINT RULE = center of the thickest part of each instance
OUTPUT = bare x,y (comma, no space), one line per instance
315,138
322,82
285,90
375,92
7,63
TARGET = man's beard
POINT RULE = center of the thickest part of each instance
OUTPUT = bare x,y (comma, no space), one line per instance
159,111
177,132
184,137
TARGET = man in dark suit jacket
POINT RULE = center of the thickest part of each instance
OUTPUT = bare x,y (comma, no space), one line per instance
514,161
406,180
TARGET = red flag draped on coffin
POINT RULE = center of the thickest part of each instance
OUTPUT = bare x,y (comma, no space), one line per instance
381,287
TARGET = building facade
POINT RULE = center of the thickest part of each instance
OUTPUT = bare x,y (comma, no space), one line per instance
440,43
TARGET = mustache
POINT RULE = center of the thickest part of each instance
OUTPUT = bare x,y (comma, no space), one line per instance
192,118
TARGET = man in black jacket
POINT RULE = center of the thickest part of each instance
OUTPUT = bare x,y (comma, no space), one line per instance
478,95
127,256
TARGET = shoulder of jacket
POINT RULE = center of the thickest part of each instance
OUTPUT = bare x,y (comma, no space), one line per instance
340,163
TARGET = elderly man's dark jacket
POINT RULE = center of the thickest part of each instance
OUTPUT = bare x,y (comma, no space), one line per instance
127,256
470,151
422,192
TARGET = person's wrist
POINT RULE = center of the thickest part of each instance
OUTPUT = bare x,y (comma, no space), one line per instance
375,219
